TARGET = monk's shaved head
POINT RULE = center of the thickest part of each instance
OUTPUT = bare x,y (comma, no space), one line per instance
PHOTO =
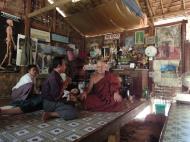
101,66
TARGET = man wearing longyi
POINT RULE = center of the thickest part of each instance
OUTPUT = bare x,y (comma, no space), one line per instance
52,91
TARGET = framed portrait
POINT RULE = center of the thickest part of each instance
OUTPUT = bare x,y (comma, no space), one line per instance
139,37
168,41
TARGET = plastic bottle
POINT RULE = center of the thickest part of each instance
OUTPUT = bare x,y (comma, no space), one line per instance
145,93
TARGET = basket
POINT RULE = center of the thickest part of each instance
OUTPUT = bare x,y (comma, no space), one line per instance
160,108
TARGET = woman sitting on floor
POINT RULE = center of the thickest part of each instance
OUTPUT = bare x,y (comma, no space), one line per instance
102,93
23,99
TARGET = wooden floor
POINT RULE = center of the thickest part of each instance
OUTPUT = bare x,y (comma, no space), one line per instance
4,102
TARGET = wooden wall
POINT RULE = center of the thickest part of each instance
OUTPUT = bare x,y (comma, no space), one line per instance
60,26
56,25
7,81
150,31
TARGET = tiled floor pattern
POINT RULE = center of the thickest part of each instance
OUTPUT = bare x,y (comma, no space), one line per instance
29,127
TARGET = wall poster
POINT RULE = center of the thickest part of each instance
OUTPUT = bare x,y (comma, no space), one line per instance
129,42
10,27
139,37
20,46
40,35
168,42
150,40
45,54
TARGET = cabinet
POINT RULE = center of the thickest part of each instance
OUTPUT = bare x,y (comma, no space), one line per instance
138,79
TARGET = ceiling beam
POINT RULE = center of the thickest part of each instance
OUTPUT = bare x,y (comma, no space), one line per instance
179,12
161,3
173,4
150,3
169,4
183,1
28,4
150,11
48,8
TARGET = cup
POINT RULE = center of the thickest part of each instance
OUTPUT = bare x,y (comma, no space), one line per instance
81,86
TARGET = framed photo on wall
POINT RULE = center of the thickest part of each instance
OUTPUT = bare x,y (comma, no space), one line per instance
129,42
139,37
20,46
150,40
168,42
45,54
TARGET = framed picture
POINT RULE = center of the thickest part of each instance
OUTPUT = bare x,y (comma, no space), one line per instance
150,40
40,35
139,37
8,50
129,42
45,54
168,41
20,45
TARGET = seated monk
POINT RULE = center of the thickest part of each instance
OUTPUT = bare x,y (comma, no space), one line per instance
102,93
23,99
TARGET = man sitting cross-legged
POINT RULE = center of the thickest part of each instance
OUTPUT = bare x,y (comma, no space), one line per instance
54,104
23,98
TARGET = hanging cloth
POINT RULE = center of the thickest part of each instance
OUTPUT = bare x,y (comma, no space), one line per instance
134,7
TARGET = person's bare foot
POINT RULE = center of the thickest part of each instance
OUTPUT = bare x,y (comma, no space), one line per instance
45,116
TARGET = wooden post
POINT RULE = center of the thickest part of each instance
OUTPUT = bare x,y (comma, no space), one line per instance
114,137
48,8
161,3
27,20
150,11
183,48
54,21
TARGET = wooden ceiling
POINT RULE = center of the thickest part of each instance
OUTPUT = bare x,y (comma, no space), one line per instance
100,17
159,9
95,17
154,9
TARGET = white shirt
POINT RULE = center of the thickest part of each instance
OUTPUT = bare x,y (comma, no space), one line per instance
23,80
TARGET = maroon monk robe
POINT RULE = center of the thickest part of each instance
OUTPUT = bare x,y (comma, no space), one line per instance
101,97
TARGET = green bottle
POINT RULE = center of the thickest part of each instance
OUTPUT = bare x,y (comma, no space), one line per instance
145,93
